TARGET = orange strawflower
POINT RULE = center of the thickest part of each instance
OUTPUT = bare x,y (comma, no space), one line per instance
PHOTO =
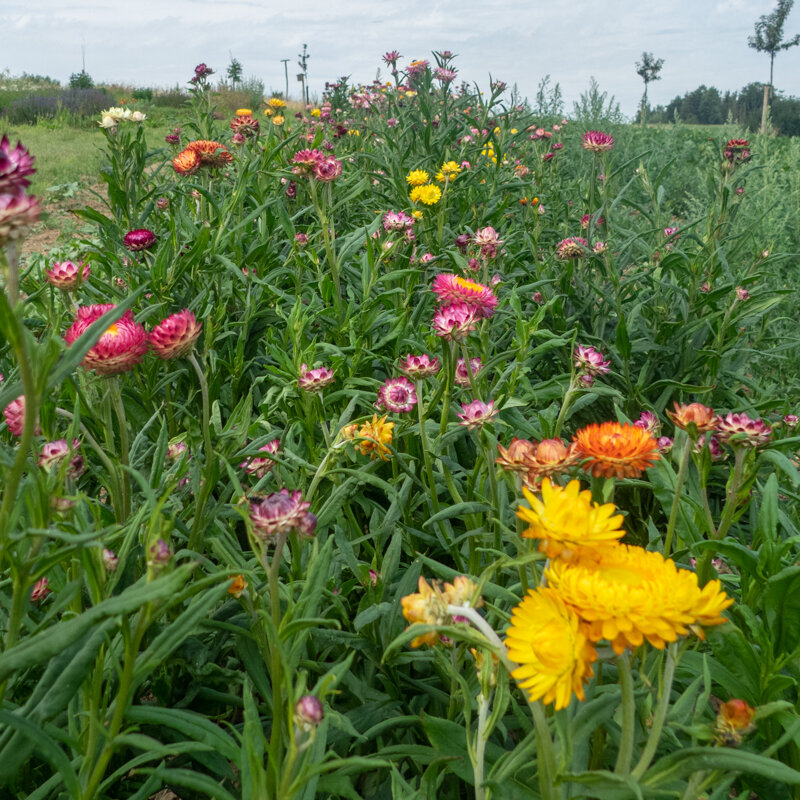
207,152
550,457
696,414
187,162
614,450
515,457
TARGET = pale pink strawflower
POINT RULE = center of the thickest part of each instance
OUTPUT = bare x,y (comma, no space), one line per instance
477,413
599,248
668,232
397,395
597,141
397,221
444,75
426,258
461,375
742,293
571,247
391,122
451,289
258,465
649,422
790,420
455,322
590,361
312,380
18,212
282,512
110,560
418,367
40,590
308,712
301,239
488,241
139,239
55,453
586,381
67,275
175,336
119,349
742,431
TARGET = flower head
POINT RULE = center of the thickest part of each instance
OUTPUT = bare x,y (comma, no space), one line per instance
175,336
456,321
649,422
430,194
488,241
397,221
187,162
629,594
304,161
693,417
397,395
734,721
40,590
736,151
312,380
515,458
548,641
55,453
14,414
590,361
139,239
597,142
461,376
237,587
119,349
211,154
429,606
418,367
374,437
477,413
258,465
616,450
67,275
327,169
567,522
738,430
451,288
550,457
308,712
571,247
18,212
417,177
282,512
15,167
444,75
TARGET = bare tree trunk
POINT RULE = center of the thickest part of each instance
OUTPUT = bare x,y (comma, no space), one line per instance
764,108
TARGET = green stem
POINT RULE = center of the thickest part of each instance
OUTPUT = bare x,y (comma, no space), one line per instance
449,356
676,500
660,714
623,765
480,746
566,403
115,389
276,676
208,463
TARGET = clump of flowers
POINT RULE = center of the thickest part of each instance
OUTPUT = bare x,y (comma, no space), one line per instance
397,395
449,171
175,336
736,151
615,450
201,153
67,275
119,349
280,513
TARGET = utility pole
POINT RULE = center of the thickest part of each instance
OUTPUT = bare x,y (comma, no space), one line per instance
285,62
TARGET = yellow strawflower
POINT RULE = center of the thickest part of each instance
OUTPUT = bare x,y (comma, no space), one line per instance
276,102
374,436
315,112
417,177
430,195
278,120
243,112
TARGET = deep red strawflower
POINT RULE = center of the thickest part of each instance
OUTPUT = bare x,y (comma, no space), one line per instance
139,239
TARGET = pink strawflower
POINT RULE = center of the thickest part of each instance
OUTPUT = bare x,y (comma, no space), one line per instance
586,381
444,75
739,430
15,167
649,422
397,395
139,239
451,288
488,241
40,590
259,466
175,336
587,218
327,169
664,444
14,414
715,449
790,420
110,560
312,380
590,361
455,322
282,512
304,162
119,349
599,248
597,142
426,258
668,232
416,68
397,221
18,212
742,293
571,247
308,712
391,122
392,57
477,413
54,453
461,376
419,367
301,239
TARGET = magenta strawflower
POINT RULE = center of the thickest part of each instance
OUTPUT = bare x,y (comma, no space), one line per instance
282,512
304,162
139,239
571,247
649,422
597,142
418,367
664,444
327,169
715,449
14,414
260,466
312,380
15,167
455,322
477,413
451,288
397,395
67,275
738,430
18,212
119,349
175,336
54,453
461,376
590,361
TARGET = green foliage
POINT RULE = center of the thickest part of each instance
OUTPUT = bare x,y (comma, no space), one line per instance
81,80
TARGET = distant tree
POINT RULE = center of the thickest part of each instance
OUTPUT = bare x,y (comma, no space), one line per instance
648,70
81,80
302,62
767,39
234,71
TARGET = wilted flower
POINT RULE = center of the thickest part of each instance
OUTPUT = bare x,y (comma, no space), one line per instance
590,361
282,512
571,247
312,380
119,349
175,336
587,218
477,413
599,248
201,71
175,450
461,375
516,457
40,590
237,587
455,322
67,275
597,142
665,444
734,721
790,420
162,203
301,239
244,124
54,453
397,395
15,167
738,430
736,151
418,367
139,239
429,605
742,293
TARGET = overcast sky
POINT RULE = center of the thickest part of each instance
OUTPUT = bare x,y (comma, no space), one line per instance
158,42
